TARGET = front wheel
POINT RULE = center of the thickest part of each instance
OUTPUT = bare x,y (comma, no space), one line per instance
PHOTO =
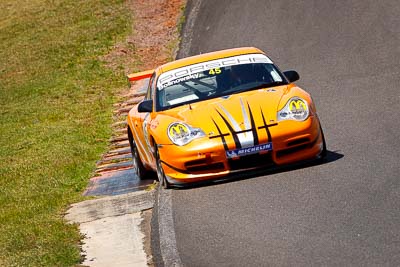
160,171
324,152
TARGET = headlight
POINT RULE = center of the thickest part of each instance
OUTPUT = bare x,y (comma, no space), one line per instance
182,134
295,109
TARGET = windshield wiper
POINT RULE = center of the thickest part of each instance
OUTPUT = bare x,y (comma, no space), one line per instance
260,86
266,85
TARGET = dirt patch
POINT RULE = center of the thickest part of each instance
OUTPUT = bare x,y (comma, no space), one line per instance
154,39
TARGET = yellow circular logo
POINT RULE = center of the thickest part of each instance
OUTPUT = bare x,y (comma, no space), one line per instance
178,129
297,105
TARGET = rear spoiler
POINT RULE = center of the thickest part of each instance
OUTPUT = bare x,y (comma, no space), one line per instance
139,76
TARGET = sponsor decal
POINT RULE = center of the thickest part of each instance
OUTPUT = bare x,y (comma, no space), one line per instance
154,124
179,80
178,130
248,150
146,130
186,73
296,105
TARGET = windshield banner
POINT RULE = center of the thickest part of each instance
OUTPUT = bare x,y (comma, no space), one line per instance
188,72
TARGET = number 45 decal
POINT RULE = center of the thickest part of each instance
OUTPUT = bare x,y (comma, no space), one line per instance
214,71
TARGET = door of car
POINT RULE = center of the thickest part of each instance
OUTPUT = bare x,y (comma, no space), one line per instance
142,125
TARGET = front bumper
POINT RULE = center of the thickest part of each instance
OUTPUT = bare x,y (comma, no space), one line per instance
205,159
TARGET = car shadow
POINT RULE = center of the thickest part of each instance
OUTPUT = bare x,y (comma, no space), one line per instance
331,156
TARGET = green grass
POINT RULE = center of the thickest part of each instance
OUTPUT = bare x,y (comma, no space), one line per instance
56,98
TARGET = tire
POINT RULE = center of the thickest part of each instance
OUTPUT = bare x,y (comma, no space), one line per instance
140,170
160,171
324,152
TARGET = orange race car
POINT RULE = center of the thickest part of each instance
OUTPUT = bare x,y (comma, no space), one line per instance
214,114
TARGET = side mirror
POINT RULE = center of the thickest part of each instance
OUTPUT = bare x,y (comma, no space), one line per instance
145,106
291,75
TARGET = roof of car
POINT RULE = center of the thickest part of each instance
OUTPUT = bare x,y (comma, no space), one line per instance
207,57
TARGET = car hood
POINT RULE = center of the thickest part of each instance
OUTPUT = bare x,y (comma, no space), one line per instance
236,112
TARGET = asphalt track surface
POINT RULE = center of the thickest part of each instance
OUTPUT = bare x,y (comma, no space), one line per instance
343,212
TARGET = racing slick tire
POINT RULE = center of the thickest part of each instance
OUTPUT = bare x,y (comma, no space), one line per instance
160,171
322,156
140,170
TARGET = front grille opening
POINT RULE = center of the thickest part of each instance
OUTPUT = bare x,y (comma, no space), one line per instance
196,162
288,151
251,161
298,141
201,165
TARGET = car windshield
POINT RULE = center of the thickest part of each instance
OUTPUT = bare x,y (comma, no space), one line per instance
215,79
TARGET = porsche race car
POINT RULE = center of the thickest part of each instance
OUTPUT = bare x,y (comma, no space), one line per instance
211,115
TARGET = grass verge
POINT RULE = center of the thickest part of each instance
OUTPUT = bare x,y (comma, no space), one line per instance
56,99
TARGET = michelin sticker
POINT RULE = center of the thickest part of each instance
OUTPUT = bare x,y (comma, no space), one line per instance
248,150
